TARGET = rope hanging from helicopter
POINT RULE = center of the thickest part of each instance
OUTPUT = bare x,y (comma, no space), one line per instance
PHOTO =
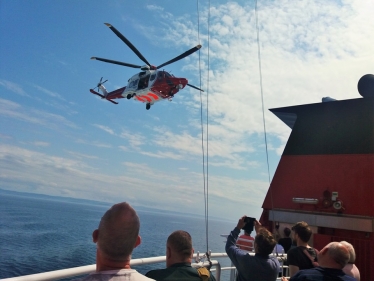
206,171
205,166
262,104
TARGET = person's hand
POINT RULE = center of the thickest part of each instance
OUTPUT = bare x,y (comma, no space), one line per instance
257,225
284,278
241,222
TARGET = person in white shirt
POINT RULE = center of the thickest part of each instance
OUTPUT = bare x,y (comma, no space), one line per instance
116,237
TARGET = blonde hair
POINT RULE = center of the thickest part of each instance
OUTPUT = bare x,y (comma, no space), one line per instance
351,250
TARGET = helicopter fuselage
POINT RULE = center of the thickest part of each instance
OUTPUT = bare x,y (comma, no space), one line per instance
151,86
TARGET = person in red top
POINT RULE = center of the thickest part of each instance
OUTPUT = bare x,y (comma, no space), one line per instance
246,241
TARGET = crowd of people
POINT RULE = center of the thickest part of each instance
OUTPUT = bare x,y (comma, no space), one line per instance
334,262
118,235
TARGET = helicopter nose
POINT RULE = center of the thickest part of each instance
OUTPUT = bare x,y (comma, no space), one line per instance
182,83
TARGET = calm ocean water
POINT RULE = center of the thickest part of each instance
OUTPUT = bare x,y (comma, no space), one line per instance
40,233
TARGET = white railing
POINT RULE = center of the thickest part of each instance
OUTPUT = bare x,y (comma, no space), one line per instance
81,270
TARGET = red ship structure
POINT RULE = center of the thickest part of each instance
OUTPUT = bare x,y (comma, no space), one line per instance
325,176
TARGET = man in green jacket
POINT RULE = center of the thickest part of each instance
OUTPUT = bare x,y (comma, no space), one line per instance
179,253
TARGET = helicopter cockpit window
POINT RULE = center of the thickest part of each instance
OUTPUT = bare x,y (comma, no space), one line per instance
153,76
133,84
143,83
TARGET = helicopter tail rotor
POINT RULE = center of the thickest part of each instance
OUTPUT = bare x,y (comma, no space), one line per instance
99,84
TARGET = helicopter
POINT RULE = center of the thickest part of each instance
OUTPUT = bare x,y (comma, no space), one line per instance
149,86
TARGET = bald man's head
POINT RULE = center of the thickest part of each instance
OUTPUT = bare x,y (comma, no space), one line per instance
336,253
118,232
352,253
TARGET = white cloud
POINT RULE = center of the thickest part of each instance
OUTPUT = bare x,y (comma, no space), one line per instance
49,93
161,154
309,49
41,143
69,177
14,110
13,87
5,137
154,7
81,156
104,128
135,140
94,143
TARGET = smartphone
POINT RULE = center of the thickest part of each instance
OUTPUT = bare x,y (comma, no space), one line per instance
249,223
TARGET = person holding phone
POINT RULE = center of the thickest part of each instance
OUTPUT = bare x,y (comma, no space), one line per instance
258,267
246,241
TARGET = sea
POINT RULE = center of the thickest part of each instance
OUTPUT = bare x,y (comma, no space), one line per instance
40,233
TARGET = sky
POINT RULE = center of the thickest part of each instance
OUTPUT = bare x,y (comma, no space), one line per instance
56,138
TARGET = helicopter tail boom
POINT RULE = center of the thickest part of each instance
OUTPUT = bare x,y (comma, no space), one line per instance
102,96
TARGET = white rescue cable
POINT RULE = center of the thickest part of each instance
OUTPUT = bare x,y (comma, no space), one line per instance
262,103
205,174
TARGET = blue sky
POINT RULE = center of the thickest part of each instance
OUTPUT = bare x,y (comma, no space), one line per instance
57,138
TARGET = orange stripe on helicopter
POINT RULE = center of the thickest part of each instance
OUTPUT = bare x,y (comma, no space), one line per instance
140,98
147,98
153,96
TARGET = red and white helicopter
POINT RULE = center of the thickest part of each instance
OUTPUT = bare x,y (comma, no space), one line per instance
150,85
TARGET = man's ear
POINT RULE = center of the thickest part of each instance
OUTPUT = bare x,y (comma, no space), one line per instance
95,235
168,252
193,251
323,251
138,241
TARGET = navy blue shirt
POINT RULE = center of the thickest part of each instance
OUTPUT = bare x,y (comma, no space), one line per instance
321,274
251,268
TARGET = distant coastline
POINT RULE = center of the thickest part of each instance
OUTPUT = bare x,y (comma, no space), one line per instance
99,203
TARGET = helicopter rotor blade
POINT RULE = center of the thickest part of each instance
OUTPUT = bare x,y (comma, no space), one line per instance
192,86
128,43
99,84
185,54
117,62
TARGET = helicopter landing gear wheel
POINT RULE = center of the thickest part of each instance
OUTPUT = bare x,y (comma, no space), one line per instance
148,106
129,96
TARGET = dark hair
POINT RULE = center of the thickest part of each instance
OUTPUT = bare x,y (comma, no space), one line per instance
118,231
265,242
287,231
303,230
181,242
